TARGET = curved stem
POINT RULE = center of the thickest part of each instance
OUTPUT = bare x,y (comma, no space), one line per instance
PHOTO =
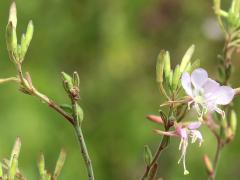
84,152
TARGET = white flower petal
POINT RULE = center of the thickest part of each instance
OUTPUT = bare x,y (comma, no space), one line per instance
186,83
210,86
199,77
194,125
224,95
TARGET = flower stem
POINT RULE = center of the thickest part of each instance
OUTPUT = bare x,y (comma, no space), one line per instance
163,144
216,160
84,152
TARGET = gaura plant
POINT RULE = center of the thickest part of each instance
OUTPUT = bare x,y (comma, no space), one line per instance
9,168
73,112
212,100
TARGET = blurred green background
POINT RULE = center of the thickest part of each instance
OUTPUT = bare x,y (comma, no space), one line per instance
113,45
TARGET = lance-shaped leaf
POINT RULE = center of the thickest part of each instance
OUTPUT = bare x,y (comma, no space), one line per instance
147,155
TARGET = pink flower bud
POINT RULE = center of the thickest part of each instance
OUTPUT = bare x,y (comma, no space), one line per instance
156,119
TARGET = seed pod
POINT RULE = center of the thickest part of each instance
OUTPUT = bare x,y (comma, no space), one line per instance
176,77
160,66
186,58
147,155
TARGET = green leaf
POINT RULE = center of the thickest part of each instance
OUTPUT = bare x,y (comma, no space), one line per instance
67,108
147,155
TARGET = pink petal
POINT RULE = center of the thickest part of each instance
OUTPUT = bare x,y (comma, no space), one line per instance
199,77
194,125
186,83
182,132
224,95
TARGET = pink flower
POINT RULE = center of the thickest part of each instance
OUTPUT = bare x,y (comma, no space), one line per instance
206,93
184,132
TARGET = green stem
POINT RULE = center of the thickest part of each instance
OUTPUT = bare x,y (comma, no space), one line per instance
84,152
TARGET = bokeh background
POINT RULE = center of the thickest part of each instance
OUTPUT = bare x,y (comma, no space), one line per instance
113,45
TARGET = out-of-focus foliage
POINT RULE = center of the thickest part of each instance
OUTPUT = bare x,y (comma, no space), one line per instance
113,45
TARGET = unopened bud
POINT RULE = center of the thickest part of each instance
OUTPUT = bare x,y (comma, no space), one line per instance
16,150
186,58
29,33
67,81
60,163
1,171
41,165
233,121
156,119
167,64
176,77
13,15
13,168
160,66
208,165
11,38
195,65
76,79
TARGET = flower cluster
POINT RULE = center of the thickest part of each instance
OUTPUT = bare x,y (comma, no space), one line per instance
206,96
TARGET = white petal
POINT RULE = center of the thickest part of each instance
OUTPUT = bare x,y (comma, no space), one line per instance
224,95
199,77
186,83
194,125
210,86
